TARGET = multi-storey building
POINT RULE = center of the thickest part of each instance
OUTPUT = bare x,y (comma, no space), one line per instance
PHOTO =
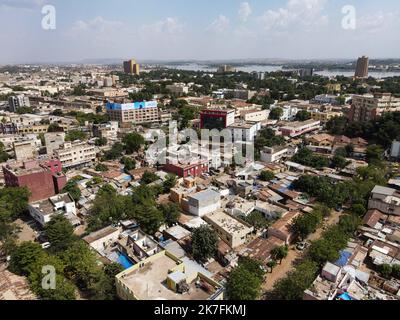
75,154
362,67
244,131
178,89
16,102
296,129
107,130
131,67
133,113
43,180
325,116
369,107
216,118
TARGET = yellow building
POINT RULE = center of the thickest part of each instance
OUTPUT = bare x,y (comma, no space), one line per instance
333,87
324,117
131,67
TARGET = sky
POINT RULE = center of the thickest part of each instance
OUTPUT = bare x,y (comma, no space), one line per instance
200,30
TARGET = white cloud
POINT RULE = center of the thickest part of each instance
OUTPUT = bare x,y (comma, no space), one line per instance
22,4
170,26
377,22
98,25
219,25
244,11
295,13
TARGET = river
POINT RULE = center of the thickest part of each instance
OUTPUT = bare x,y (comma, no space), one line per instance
273,68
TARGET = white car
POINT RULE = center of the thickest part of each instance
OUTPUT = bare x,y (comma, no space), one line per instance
46,245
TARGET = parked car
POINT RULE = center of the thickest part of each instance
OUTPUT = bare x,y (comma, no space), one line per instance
301,246
46,245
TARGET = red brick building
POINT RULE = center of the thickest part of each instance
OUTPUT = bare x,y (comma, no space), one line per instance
43,180
187,170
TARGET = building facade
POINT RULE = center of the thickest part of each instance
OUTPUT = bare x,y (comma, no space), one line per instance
362,67
133,113
75,154
216,118
43,180
131,67
369,107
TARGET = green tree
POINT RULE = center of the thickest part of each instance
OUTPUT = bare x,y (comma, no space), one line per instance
64,290
243,285
54,127
171,213
292,287
57,113
169,183
339,162
280,253
4,156
306,224
115,152
386,270
100,142
100,167
257,220
72,188
276,114
129,163
13,202
271,264
374,154
303,115
267,175
75,135
350,223
25,257
133,142
105,288
149,177
60,233
80,265
204,243
358,210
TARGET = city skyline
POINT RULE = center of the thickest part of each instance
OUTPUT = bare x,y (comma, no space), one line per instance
177,30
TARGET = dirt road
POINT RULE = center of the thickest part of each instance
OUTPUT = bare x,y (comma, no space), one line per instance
280,271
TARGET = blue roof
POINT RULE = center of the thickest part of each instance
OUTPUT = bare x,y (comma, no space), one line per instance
344,257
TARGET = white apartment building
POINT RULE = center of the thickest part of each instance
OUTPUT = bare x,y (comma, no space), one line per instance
296,129
73,154
275,154
244,131
254,115
178,89
43,210
289,111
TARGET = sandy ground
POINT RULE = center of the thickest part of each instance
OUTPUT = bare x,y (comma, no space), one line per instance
280,271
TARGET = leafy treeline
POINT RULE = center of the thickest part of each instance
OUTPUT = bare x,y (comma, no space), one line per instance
381,131
334,194
109,207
